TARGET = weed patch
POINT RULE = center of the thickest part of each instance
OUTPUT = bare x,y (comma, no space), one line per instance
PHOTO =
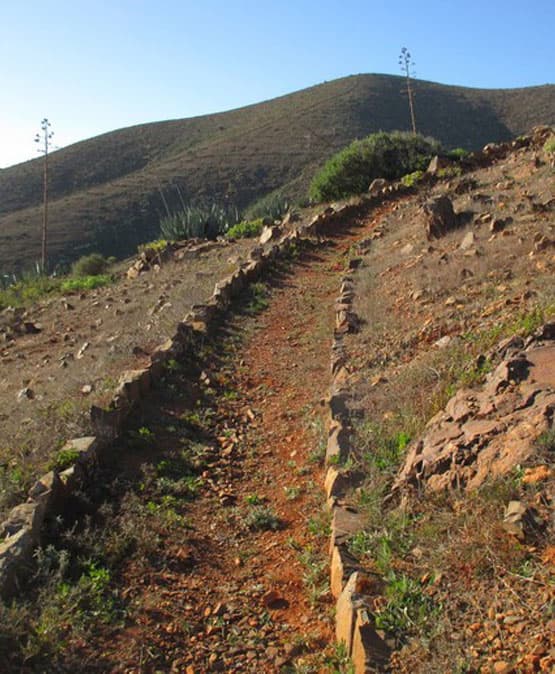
262,518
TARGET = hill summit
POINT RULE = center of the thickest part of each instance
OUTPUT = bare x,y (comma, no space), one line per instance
108,192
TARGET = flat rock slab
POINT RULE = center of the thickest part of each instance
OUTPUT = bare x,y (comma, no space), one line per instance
486,433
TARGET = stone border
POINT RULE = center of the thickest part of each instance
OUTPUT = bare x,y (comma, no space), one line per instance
21,530
352,589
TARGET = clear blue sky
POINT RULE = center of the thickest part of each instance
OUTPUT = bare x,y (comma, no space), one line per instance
94,66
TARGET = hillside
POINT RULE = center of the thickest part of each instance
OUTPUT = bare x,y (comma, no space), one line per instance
187,434
106,192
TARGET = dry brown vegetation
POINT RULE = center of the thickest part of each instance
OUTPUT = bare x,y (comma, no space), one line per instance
106,191
203,546
460,593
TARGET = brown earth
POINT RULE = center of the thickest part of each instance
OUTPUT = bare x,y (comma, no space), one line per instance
229,573
89,340
431,315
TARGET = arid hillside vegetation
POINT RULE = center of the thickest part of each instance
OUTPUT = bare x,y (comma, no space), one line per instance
108,193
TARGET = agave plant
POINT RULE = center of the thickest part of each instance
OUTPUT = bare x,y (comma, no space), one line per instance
274,206
197,221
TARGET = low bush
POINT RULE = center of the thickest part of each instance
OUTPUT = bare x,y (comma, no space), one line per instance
458,153
90,265
246,229
158,246
85,283
27,291
412,178
380,155
549,146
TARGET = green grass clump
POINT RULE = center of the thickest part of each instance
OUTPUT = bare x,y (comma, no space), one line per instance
64,459
85,283
407,608
28,290
262,518
246,229
380,155
31,290
549,146
449,172
257,298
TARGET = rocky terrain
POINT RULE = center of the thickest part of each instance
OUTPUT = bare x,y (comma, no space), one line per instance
449,382
203,543
62,356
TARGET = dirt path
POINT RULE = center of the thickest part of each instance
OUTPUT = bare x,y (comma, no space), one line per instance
235,578
245,596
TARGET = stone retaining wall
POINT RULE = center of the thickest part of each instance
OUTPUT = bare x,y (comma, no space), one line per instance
351,588
21,531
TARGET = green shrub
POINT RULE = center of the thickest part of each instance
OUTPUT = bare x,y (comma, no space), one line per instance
412,178
246,229
158,246
90,265
458,153
85,283
549,146
380,155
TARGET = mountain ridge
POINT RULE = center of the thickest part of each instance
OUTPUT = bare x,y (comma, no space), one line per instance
108,192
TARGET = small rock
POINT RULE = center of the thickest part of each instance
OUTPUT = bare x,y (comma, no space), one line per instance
537,474
502,667
25,394
443,342
468,241
86,389
376,186
82,350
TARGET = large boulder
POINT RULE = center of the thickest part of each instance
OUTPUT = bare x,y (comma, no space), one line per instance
440,217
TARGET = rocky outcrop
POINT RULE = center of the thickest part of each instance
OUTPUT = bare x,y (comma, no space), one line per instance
486,433
440,217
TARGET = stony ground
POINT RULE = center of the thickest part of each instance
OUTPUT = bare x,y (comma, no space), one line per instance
80,344
204,546
217,555
463,591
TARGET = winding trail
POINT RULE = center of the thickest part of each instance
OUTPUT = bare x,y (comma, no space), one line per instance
244,586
